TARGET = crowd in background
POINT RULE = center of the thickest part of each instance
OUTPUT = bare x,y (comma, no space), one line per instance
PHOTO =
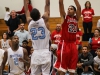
89,56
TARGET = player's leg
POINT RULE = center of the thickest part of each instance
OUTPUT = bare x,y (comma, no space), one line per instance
46,68
65,57
36,70
73,59
58,54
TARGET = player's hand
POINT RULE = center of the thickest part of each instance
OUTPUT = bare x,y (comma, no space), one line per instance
79,65
14,30
21,60
9,31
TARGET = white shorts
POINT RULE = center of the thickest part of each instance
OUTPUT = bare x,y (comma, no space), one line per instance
40,57
43,69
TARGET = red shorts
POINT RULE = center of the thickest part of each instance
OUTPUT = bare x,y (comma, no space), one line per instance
67,57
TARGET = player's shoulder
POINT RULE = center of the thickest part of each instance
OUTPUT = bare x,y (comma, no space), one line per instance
92,9
24,50
54,31
96,58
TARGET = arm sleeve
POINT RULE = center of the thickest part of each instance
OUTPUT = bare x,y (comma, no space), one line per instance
15,33
79,57
20,12
18,21
93,12
90,57
82,11
95,62
52,36
8,24
28,36
30,7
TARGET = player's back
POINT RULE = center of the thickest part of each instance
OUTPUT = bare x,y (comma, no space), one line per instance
40,34
69,29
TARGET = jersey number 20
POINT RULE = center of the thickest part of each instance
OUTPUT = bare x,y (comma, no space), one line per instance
34,33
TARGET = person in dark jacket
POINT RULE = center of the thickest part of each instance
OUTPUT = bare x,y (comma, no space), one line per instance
85,60
13,23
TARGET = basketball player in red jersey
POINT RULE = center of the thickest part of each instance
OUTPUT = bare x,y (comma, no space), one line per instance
67,53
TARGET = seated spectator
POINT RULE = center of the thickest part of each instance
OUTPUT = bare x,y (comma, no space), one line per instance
13,23
56,34
25,45
7,15
94,42
22,34
97,62
85,60
5,43
21,14
79,39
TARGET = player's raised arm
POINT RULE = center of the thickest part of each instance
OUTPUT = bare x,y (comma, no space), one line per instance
78,11
47,7
46,12
27,13
61,9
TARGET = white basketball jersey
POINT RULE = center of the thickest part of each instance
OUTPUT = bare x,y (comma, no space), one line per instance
16,67
1,55
5,44
40,35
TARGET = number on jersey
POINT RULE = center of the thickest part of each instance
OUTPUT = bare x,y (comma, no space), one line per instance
34,32
72,28
16,61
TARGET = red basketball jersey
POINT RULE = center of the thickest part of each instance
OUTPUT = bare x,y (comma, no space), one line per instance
69,29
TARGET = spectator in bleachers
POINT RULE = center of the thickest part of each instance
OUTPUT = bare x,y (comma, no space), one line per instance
85,60
87,13
5,43
22,34
56,34
94,42
21,14
79,39
7,15
13,23
98,24
25,45
97,62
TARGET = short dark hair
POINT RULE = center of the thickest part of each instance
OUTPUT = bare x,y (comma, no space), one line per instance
98,48
7,9
29,1
86,3
73,7
25,41
14,36
97,30
35,14
86,47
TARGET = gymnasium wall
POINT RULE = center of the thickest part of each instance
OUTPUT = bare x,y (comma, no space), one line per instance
17,5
